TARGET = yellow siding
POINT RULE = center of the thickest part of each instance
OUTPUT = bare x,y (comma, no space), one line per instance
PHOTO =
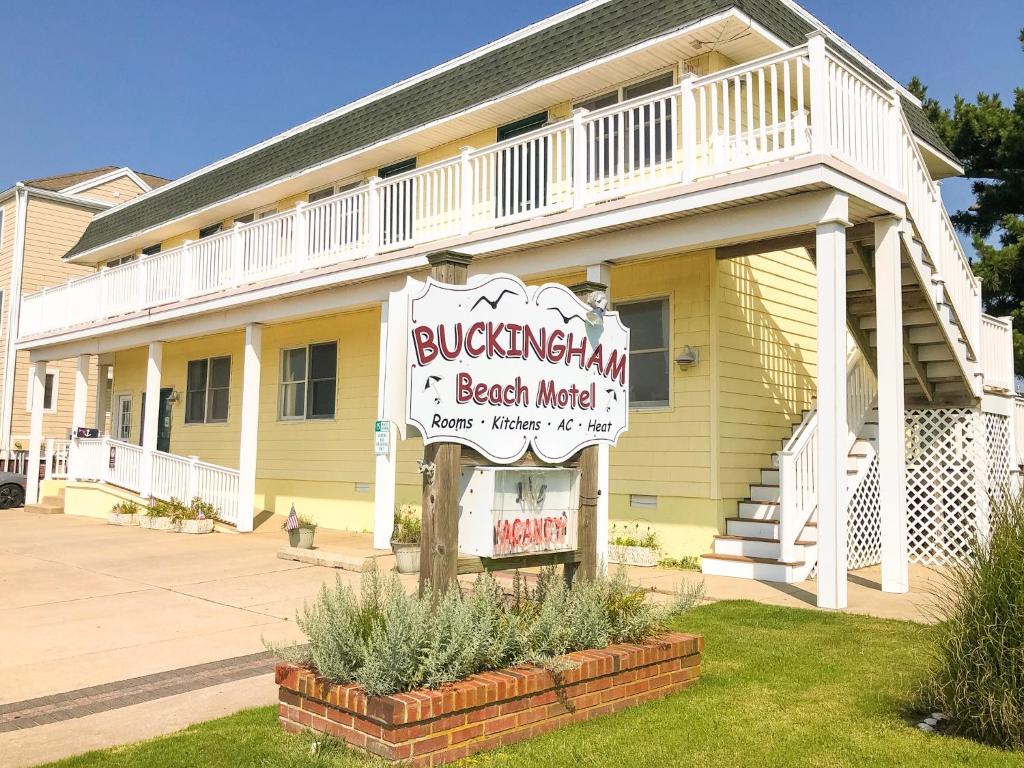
51,228
452,148
174,242
767,313
116,191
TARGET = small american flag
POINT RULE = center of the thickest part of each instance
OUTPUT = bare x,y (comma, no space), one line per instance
293,520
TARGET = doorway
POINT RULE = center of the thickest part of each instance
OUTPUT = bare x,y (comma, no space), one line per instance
123,418
163,420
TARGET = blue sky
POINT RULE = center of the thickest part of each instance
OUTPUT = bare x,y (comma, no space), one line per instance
166,87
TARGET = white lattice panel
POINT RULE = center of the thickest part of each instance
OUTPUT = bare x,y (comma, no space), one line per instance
945,477
997,452
864,524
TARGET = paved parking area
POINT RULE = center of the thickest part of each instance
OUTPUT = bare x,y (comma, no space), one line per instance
113,616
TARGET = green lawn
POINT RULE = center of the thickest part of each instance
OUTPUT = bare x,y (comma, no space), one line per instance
781,687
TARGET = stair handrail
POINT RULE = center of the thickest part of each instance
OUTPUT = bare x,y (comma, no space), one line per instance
798,459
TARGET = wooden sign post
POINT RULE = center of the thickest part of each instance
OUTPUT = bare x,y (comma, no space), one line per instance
442,468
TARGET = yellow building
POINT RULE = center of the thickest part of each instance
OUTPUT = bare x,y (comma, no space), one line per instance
765,219
40,219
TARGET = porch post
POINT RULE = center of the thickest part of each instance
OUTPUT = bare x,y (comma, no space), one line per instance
833,430
384,467
892,484
151,414
102,376
81,391
35,434
249,433
602,273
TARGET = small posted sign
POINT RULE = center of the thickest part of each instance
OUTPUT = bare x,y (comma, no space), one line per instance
381,437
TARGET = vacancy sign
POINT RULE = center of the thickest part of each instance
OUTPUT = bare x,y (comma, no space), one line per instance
501,367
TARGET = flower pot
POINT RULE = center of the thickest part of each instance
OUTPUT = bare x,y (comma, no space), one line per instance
407,557
644,557
302,537
156,523
195,526
116,518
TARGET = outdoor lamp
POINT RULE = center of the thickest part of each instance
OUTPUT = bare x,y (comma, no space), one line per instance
687,357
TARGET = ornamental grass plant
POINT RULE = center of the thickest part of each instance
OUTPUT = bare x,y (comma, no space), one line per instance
977,675
389,641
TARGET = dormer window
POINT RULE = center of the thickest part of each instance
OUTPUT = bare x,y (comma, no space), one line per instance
213,229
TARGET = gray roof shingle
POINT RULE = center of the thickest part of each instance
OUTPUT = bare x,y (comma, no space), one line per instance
587,36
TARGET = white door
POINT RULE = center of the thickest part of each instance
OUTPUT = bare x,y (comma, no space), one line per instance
123,418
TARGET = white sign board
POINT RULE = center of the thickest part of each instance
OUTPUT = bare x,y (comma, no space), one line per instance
501,367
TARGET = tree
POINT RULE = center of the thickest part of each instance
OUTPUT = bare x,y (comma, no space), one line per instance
988,138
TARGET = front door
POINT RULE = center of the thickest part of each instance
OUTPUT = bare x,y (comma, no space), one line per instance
123,418
163,432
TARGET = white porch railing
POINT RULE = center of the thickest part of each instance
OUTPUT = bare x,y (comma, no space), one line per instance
997,352
156,474
798,460
807,99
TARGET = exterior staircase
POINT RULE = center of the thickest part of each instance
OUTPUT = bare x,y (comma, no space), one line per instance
49,505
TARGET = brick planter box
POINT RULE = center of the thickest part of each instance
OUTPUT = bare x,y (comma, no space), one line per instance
489,710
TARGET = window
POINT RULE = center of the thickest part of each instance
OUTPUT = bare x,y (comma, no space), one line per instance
213,229
123,418
151,250
649,354
309,381
333,189
49,391
118,262
255,215
206,394
648,140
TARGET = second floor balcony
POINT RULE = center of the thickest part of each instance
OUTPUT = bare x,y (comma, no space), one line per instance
805,101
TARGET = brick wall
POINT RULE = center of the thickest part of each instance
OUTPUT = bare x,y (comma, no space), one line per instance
434,727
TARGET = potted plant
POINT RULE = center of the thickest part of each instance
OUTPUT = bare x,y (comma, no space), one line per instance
159,516
300,529
198,517
124,513
405,540
632,546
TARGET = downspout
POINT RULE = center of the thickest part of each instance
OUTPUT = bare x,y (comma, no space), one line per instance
13,316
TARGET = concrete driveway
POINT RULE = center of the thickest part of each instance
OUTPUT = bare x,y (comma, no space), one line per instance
117,616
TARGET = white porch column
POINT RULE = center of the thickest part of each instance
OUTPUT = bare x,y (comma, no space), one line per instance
602,273
35,439
892,485
250,427
102,376
81,391
151,413
833,431
384,469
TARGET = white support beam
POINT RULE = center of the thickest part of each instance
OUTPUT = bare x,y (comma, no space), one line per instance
602,273
102,396
833,432
249,433
35,438
892,484
151,413
385,464
81,402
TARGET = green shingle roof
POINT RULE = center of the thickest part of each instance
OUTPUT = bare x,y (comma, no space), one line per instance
592,34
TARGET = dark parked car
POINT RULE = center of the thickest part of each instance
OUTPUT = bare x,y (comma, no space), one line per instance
12,490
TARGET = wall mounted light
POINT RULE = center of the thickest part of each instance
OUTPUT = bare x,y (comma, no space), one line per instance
687,357
173,397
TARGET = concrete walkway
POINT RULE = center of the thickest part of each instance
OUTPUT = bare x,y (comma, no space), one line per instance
103,627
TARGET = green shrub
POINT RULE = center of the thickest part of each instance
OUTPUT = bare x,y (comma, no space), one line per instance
387,640
633,536
408,525
125,507
304,522
172,509
977,679
684,563
197,509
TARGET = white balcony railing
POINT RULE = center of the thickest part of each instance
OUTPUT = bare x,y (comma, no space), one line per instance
802,100
148,473
997,352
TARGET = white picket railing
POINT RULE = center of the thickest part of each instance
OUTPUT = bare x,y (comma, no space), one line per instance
156,474
806,99
798,460
997,352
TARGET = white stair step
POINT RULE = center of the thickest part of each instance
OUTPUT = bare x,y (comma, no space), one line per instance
764,493
747,546
758,529
757,510
934,353
867,432
761,569
770,476
943,370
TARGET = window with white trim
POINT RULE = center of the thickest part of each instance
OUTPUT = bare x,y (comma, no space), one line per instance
118,262
49,391
309,382
208,383
648,351
256,215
